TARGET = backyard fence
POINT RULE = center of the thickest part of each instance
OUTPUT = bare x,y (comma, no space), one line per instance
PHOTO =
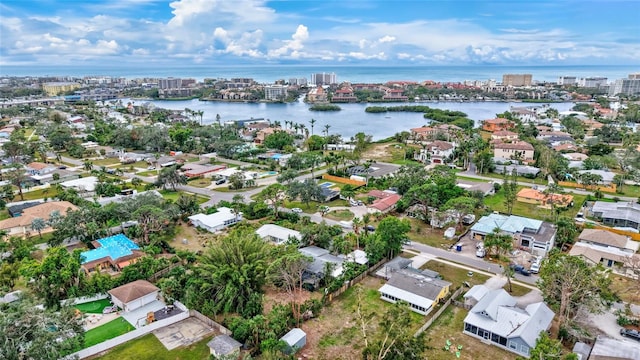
357,279
439,312
83,299
153,278
205,319
106,345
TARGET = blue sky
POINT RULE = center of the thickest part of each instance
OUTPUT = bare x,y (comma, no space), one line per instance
230,32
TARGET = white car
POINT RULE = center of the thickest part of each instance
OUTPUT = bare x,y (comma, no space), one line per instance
297,210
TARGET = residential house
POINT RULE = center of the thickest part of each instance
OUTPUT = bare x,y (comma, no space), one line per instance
197,170
436,152
607,176
341,147
38,168
532,235
112,253
392,266
277,234
486,188
21,225
344,95
520,150
575,156
591,126
620,214
606,348
217,221
85,185
504,136
134,295
385,201
566,147
598,246
317,95
321,261
421,292
525,115
474,295
543,200
224,346
432,132
498,320
393,94
497,124
521,170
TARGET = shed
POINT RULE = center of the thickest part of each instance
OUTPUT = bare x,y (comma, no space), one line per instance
134,295
296,339
223,346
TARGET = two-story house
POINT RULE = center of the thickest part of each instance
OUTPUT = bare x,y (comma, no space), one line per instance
519,150
497,124
436,152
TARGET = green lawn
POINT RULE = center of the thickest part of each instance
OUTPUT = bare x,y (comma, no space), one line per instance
455,275
340,215
630,191
105,162
313,205
497,203
107,331
149,347
174,195
201,182
425,234
94,307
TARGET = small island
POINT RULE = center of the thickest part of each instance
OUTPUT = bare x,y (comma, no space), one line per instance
325,107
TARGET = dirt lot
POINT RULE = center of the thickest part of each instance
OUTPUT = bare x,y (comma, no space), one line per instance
195,239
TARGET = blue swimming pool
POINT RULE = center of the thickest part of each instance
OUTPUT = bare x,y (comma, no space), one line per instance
115,246
267,173
326,185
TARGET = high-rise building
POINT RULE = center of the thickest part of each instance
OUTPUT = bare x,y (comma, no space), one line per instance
516,79
593,82
275,92
630,86
635,76
170,83
324,78
567,80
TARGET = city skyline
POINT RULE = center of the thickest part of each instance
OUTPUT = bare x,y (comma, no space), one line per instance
183,32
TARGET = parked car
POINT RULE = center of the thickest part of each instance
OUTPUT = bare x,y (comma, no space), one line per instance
525,272
297,210
370,228
535,267
480,252
220,181
633,334
516,267
151,167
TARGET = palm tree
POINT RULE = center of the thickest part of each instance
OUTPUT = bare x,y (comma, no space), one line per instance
366,220
277,124
312,122
508,272
200,113
38,224
218,119
88,165
326,130
357,222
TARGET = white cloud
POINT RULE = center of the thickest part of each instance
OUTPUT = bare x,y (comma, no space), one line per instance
387,39
294,45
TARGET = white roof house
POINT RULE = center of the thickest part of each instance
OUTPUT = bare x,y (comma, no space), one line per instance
497,319
277,234
87,184
216,221
419,291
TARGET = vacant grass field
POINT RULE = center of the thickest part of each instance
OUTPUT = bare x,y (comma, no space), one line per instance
107,331
455,275
497,203
425,234
105,162
340,215
449,326
335,334
149,347
201,183
94,307
627,289
174,195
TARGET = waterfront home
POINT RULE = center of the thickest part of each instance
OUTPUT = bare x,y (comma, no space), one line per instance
496,319
344,95
436,152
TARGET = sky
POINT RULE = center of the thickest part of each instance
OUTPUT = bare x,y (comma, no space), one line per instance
344,32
